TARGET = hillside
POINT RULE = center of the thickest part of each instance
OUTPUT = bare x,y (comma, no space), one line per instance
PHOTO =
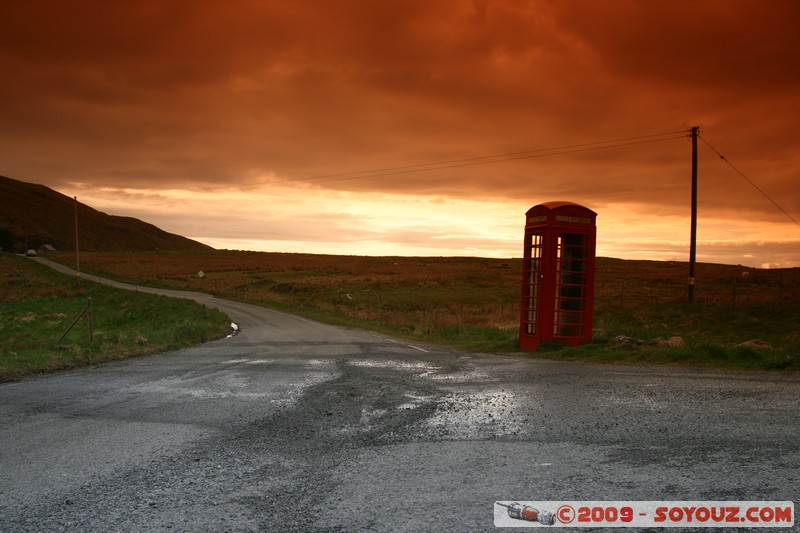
34,215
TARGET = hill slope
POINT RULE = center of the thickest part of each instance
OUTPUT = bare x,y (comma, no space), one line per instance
34,215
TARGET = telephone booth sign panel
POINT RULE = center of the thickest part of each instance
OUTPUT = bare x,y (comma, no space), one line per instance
558,274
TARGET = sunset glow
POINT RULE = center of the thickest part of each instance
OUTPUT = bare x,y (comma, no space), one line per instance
414,127
311,220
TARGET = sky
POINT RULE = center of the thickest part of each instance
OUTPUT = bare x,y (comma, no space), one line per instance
414,127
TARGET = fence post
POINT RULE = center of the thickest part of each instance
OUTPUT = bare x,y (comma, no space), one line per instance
91,333
91,321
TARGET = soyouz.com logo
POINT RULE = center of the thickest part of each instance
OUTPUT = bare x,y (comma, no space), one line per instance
695,514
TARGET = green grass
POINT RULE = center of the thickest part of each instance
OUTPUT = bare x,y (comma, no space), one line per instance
39,304
712,335
699,354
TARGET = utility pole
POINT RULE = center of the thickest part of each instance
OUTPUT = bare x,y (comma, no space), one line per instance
77,249
695,130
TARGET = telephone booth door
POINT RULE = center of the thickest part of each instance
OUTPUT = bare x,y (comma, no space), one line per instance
558,274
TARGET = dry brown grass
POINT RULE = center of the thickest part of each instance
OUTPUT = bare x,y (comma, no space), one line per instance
429,293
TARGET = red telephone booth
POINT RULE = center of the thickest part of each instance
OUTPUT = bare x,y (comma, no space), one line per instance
558,274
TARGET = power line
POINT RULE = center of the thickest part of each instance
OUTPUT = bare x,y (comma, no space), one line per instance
756,187
496,158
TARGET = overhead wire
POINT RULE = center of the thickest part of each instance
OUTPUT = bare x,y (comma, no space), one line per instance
495,158
751,182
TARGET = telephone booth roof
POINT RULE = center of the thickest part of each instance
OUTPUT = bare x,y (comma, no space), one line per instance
549,210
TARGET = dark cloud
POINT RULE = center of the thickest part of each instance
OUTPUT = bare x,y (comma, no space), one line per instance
203,94
744,46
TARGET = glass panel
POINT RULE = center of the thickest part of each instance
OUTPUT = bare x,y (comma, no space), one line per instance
532,279
571,276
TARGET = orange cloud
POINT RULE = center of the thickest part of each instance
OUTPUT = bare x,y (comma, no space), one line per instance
201,96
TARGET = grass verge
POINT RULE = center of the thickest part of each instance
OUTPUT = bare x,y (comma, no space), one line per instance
38,304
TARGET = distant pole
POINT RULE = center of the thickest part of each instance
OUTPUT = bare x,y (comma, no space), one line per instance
693,244
77,248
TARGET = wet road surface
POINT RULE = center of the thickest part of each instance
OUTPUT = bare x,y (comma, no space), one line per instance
294,425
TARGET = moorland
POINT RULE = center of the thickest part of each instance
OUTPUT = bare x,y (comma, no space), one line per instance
742,317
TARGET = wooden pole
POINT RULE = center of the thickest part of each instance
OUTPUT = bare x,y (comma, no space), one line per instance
77,248
693,239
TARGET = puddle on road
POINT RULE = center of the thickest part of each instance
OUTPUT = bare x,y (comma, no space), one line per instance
278,361
371,417
414,401
422,367
280,388
465,376
486,414
292,392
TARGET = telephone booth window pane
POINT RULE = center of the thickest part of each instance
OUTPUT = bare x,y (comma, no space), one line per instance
571,290
532,279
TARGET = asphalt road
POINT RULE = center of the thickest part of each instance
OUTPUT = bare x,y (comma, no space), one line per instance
294,425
